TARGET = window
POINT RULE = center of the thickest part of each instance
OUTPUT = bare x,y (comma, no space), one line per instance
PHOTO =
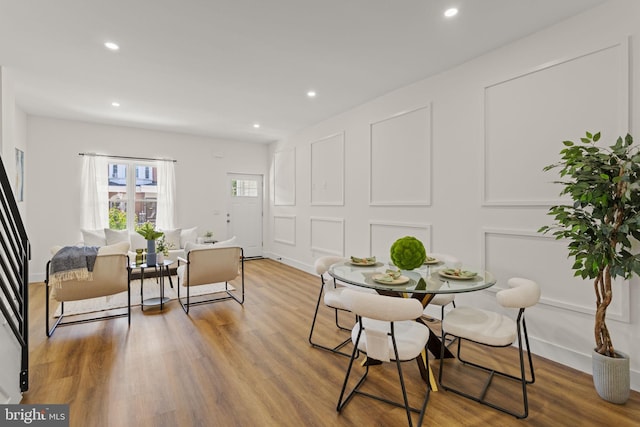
133,197
244,188
123,192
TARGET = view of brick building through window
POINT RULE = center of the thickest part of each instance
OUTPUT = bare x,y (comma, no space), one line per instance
139,190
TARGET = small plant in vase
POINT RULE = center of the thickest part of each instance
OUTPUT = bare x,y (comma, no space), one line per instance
150,234
208,237
162,248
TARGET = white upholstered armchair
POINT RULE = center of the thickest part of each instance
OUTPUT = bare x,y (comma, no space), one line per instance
206,264
110,275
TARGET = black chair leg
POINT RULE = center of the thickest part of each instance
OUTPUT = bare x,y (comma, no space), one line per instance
522,379
342,401
335,349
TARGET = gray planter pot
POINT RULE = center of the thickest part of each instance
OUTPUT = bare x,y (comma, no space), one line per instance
611,377
151,252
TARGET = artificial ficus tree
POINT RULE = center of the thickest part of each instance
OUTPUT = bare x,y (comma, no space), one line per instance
604,184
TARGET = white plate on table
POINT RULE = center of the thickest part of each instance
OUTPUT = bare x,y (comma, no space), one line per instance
464,275
399,281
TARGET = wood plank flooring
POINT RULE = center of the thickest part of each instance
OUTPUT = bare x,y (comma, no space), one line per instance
251,365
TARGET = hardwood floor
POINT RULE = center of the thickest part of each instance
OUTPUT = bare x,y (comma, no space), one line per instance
251,365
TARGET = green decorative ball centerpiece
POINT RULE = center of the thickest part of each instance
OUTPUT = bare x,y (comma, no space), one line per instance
408,253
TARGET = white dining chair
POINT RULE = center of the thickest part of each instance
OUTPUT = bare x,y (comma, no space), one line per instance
386,331
332,293
495,330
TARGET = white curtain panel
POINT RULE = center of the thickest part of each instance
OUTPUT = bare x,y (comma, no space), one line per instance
94,197
166,217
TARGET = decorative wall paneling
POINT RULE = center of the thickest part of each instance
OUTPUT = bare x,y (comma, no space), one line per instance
526,118
327,171
284,229
284,177
400,163
327,235
526,253
382,234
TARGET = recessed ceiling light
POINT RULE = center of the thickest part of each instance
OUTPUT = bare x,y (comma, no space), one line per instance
111,46
451,12
115,104
311,94
256,125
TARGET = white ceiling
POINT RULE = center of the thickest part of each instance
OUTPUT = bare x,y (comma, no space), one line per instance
216,67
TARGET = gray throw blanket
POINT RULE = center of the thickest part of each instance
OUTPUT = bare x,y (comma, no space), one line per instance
73,263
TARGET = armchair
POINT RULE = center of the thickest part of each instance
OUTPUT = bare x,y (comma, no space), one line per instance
111,275
207,265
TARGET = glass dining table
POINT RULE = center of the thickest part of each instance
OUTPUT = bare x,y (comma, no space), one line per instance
422,283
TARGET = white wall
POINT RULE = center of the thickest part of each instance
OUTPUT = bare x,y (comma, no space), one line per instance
55,167
492,125
13,132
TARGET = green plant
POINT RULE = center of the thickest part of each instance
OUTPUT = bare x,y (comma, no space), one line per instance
208,233
163,246
408,253
148,231
117,219
604,184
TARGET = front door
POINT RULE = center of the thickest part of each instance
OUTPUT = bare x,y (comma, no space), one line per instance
244,215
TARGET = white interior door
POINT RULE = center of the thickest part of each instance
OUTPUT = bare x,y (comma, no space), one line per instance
244,215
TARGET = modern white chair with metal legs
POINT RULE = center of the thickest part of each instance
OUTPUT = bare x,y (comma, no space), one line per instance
206,265
495,330
386,331
332,298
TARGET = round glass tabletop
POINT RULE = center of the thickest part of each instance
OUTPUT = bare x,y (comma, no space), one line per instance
428,279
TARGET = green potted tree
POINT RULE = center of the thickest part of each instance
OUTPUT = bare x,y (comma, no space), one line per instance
600,225
150,234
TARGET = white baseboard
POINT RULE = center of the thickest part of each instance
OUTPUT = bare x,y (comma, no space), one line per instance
36,277
290,262
571,358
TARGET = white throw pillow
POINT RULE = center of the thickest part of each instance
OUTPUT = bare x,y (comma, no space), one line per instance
93,237
191,246
116,248
116,236
225,243
172,238
188,235
137,241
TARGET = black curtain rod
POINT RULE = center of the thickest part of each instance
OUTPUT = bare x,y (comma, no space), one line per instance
127,157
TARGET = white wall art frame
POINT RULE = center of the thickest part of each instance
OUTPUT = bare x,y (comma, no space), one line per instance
526,253
284,177
327,235
327,171
284,229
592,86
401,160
382,234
